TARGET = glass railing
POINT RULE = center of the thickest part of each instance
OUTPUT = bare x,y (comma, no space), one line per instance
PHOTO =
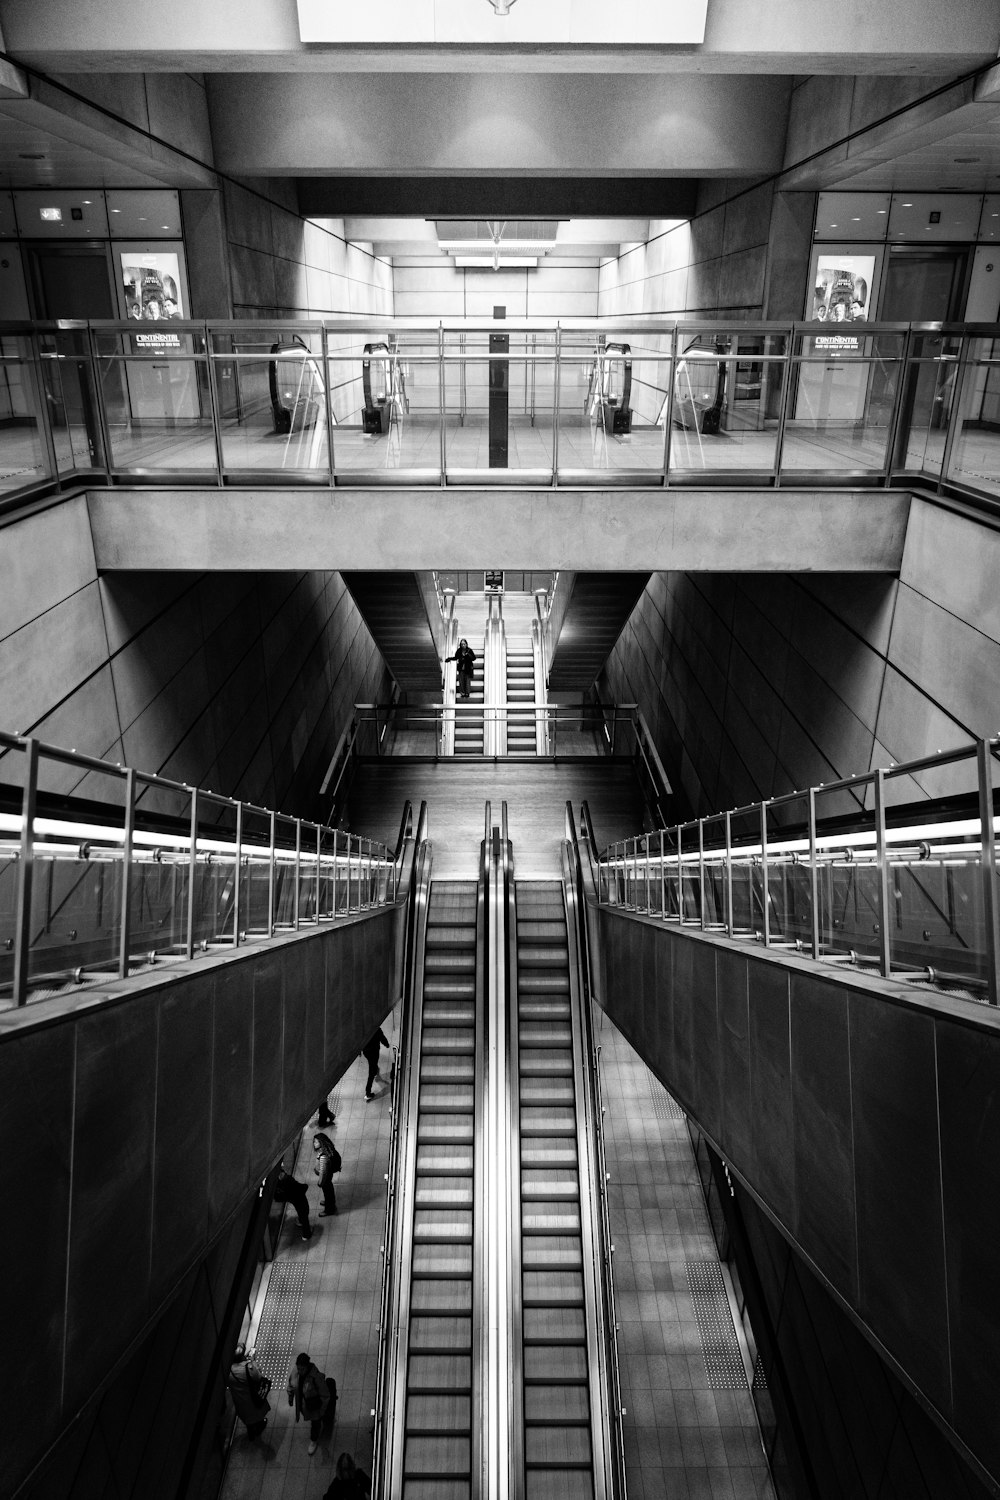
390,402
105,871
854,871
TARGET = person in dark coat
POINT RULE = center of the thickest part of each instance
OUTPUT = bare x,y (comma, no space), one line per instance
288,1189
349,1482
370,1052
248,1388
465,660
311,1393
327,1162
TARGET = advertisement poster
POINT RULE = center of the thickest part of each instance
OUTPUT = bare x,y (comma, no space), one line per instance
840,294
152,281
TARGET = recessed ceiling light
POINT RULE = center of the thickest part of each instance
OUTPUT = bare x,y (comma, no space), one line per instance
116,210
856,220
164,226
87,202
883,210
907,205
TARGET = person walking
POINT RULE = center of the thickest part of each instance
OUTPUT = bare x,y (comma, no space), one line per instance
249,1390
288,1189
326,1115
311,1393
464,659
370,1052
327,1162
349,1482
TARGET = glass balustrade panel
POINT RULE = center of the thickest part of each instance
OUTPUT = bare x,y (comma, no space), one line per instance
841,400
71,401
271,398
788,873
612,400
748,913
498,395
930,382
975,454
847,875
157,405
726,406
24,457
714,865
386,396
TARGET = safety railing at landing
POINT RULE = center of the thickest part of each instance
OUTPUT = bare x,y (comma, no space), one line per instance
851,872
711,403
105,870
426,730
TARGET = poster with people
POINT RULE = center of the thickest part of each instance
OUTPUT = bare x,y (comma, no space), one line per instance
840,294
152,281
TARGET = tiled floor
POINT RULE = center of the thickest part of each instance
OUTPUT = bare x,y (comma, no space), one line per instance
338,1322
689,1433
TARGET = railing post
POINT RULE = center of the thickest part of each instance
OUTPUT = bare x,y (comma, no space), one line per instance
680,881
701,869
298,858
125,918
328,404
441,397
991,896
786,385
271,878
885,953
238,875
730,925
319,868
333,912
668,425
192,872
213,399
956,406
763,872
896,415
813,876
100,410
648,906
663,880
556,387
25,870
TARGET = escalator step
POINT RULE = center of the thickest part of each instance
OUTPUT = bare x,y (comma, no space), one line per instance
553,1289
541,1091
554,1325
459,1069
441,1098
446,1160
542,1121
437,1456
547,1217
442,1226
440,1489
442,935
553,1404
538,982
555,1364
443,1192
433,1294
443,1262
441,1335
543,1008
550,956
561,1186
446,1413
545,1062
448,1040
545,1034
546,1153
551,1484
449,1013
535,930
450,960
440,1372
557,1447
453,1130
552,1252
449,987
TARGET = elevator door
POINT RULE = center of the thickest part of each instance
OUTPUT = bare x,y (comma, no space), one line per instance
925,286
71,281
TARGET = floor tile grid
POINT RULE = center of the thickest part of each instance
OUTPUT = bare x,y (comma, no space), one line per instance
685,1436
338,1314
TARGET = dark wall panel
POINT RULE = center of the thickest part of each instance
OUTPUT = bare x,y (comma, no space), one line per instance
864,1120
826,1220
152,1116
897,1162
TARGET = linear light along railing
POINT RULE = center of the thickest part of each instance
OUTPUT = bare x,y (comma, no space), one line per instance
203,879
858,403
908,891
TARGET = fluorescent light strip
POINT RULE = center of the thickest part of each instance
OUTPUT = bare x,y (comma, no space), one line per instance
489,263
530,245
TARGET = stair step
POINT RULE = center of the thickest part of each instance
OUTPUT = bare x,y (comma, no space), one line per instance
440,1372
436,1295
451,1413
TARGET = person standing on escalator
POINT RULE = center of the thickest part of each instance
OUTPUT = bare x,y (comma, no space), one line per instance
465,660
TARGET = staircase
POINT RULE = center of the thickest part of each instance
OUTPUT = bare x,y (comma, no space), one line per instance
520,698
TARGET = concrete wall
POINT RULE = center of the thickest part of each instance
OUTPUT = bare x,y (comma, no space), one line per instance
866,1121
757,686
285,266
239,682
432,289
152,1112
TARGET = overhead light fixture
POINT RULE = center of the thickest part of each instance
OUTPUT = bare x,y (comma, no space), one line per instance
533,247
494,262
502,7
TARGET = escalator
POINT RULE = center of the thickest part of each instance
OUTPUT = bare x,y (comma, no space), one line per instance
470,713
520,698
440,1408
555,1240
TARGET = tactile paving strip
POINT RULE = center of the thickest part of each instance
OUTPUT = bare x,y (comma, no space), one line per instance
665,1106
723,1361
279,1319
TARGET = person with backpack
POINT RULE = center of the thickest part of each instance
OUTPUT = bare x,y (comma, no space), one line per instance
249,1389
312,1394
327,1163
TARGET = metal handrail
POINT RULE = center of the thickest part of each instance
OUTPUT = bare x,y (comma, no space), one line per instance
207,347
689,873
